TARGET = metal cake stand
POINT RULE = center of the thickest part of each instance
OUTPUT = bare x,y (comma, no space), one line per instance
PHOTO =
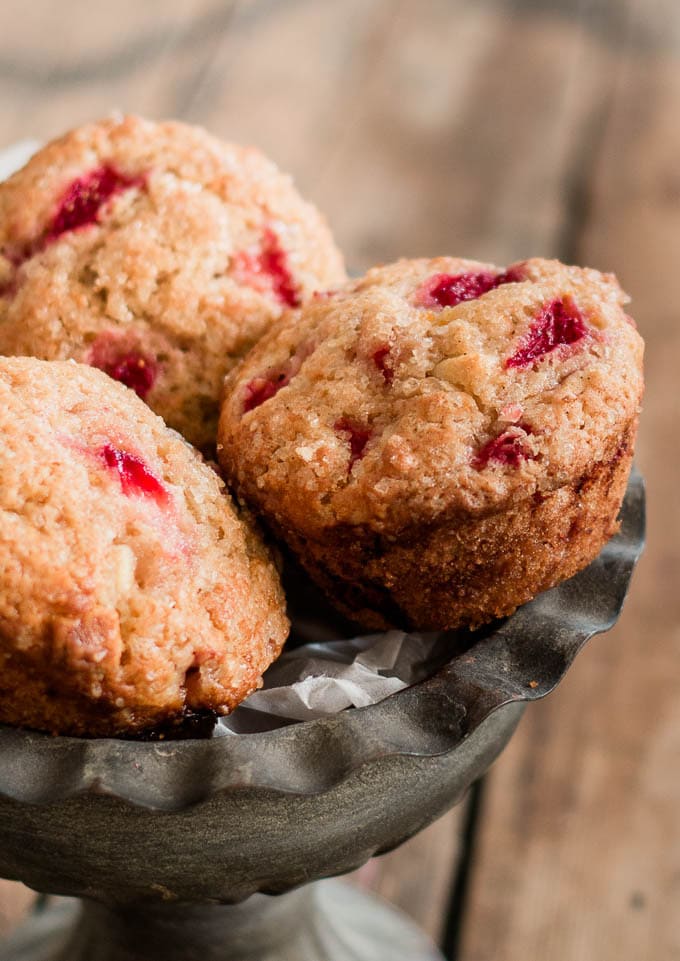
177,848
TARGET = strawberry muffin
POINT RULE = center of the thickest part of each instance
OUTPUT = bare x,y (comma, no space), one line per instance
131,592
158,254
442,439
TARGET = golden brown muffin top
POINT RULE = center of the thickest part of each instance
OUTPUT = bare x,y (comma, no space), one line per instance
431,385
128,579
157,253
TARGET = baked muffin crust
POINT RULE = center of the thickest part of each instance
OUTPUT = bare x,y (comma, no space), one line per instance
131,591
157,253
441,439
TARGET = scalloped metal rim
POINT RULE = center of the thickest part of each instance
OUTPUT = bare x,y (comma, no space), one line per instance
513,662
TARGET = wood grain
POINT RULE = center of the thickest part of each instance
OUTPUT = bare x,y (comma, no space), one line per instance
15,903
418,877
579,853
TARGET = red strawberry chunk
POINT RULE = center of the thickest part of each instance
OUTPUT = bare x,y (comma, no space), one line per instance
136,480
274,262
381,358
450,290
509,448
268,269
260,389
135,371
357,436
514,274
447,290
83,200
121,359
80,206
559,323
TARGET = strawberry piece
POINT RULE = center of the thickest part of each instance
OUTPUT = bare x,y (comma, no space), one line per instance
559,323
81,205
83,200
136,480
357,436
447,290
124,362
509,448
380,359
268,270
135,371
274,262
260,389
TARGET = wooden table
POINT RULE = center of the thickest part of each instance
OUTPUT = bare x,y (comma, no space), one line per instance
493,129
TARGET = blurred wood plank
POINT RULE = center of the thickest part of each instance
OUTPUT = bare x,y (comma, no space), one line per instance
62,65
454,124
418,877
15,903
579,853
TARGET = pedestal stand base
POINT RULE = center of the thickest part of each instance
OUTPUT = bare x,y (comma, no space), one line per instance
326,921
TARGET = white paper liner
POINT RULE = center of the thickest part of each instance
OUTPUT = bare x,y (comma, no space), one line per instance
329,676
325,676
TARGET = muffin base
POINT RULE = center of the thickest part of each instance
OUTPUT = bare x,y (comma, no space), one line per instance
29,701
463,570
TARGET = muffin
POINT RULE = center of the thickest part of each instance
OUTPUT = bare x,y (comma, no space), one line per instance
158,254
131,592
442,439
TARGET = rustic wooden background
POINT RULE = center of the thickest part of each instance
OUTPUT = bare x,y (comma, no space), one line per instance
493,129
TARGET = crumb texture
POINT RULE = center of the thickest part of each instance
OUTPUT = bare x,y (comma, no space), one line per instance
428,396
132,591
157,253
